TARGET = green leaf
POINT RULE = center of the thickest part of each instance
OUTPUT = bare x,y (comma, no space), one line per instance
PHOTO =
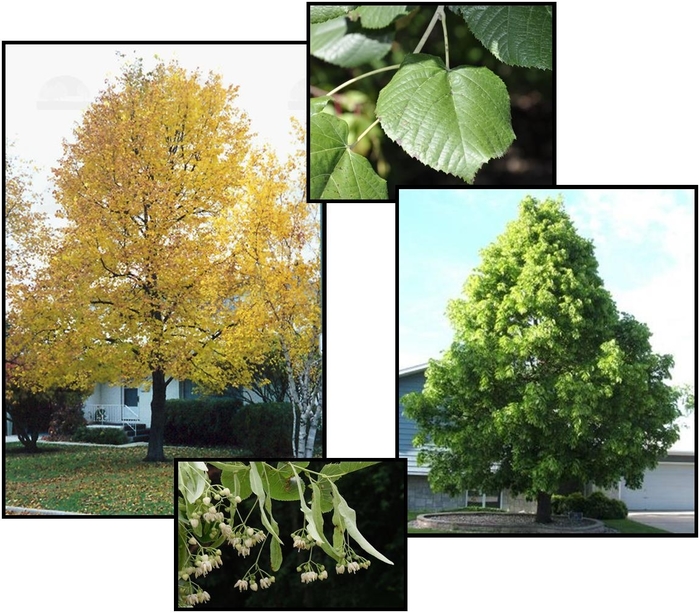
315,531
350,523
451,120
183,550
256,485
325,12
519,35
336,171
234,477
332,42
275,555
318,104
380,16
279,479
343,468
192,478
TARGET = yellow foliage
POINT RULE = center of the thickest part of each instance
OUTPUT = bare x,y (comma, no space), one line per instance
186,248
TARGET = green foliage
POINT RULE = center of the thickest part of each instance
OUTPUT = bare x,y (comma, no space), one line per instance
545,381
262,429
103,436
265,429
337,172
202,421
518,35
596,506
319,14
599,506
574,502
452,119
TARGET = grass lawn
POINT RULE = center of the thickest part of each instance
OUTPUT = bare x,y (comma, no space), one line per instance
631,527
95,480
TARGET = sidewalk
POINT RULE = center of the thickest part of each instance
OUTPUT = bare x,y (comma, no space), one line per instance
680,522
15,439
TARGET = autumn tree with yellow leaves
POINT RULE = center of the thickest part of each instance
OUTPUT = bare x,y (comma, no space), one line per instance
187,250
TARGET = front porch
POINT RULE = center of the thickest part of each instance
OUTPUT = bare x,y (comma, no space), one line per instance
117,415
111,414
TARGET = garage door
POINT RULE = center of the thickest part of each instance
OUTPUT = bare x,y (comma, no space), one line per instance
669,487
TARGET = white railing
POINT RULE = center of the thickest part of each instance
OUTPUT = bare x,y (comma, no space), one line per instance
111,413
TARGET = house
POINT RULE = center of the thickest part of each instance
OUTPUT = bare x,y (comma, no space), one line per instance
671,485
668,487
124,405
131,406
420,496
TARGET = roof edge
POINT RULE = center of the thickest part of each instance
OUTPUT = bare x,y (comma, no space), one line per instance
413,369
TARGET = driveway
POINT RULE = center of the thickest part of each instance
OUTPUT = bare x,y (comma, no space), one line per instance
672,521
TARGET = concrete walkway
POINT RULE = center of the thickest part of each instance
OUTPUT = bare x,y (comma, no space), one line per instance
15,439
680,522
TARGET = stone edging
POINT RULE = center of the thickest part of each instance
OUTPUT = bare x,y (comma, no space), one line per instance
448,521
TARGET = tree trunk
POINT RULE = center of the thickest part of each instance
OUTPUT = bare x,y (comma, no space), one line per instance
28,438
311,438
155,439
544,508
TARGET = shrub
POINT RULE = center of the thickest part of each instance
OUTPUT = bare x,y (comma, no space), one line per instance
104,436
56,411
201,421
599,506
30,414
265,429
67,417
596,506
575,502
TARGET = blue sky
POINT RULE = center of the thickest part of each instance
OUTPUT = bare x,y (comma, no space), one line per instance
644,243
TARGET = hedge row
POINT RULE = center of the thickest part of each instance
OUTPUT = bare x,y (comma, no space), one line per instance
262,430
104,436
596,506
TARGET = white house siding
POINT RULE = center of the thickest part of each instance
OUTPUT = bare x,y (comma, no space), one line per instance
105,394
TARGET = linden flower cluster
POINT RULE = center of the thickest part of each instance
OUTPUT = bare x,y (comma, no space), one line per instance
204,562
243,584
251,581
310,571
352,562
208,510
302,540
243,538
197,597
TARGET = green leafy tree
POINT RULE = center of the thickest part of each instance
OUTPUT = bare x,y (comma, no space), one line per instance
452,118
545,381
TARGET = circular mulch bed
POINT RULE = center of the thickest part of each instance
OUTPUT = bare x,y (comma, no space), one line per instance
513,523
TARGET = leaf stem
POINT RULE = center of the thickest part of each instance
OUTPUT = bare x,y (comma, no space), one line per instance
361,136
362,76
438,12
443,19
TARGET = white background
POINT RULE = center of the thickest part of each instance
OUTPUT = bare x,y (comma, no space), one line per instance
626,114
